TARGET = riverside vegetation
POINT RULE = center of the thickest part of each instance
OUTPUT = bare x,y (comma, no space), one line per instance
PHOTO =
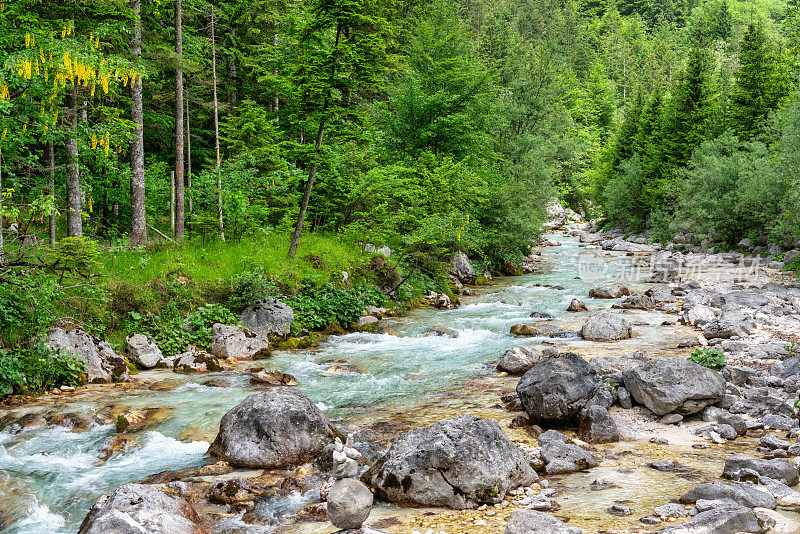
195,185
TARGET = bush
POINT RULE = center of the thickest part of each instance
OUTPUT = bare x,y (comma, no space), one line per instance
249,287
172,336
38,369
328,305
711,358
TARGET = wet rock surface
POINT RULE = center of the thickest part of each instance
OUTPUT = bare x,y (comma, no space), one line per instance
102,363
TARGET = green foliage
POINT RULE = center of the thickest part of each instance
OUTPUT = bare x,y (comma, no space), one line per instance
173,336
321,307
711,358
251,286
38,369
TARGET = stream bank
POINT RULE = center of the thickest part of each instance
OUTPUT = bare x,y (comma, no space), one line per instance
394,380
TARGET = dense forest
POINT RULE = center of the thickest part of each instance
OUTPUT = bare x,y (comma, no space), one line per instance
151,149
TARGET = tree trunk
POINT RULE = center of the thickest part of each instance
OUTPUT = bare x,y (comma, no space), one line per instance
74,221
51,162
2,244
216,127
172,204
138,209
188,154
179,195
298,229
232,91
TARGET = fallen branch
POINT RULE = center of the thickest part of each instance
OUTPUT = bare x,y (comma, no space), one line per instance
159,233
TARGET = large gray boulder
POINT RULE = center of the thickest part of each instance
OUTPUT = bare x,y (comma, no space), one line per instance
745,469
233,342
666,385
519,360
349,503
462,269
597,426
562,456
279,427
742,494
533,522
724,519
102,363
268,318
140,509
610,291
142,350
606,326
555,391
456,463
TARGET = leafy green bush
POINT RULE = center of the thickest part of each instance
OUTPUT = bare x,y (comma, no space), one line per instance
711,358
172,336
38,369
251,286
328,305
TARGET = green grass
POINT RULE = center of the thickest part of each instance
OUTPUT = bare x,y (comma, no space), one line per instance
217,260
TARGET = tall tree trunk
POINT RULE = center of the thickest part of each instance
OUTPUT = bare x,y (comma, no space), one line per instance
216,127
172,204
74,221
2,244
179,194
51,162
312,173
188,154
232,91
138,209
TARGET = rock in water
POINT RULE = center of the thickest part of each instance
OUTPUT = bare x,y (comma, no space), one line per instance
669,384
740,493
349,503
142,350
368,323
533,522
462,269
606,326
279,427
610,291
136,508
456,463
519,360
233,342
102,363
597,426
195,361
555,391
268,318
725,519
577,306
744,469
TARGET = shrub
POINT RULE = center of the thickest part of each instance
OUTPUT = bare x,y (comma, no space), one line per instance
328,305
38,369
249,287
172,336
711,358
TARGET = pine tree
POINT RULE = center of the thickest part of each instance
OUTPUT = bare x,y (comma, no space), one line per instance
758,89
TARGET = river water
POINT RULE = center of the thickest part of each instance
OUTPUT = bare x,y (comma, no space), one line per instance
50,476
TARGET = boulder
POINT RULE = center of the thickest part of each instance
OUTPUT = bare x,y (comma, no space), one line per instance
666,385
268,318
142,350
725,519
610,291
699,315
279,427
561,456
606,326
462,269
140,509
637,302
196,361
555,391
368,323
538,329
233,342
597,426
456,463
742,494
577,305
519,360
745,469
102,363
272,377
533,522
349,503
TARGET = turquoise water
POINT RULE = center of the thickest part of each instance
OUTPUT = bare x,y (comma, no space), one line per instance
50,476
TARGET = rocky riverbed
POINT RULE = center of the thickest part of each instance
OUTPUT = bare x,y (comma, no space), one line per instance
589,419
